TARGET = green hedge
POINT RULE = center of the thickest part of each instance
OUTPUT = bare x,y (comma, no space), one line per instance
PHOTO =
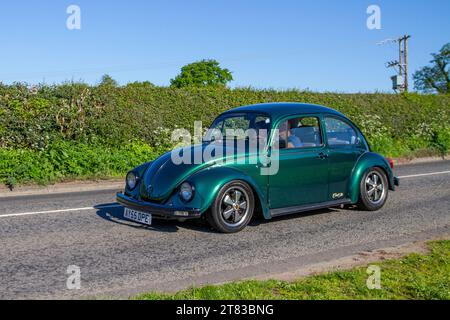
92,121
68,160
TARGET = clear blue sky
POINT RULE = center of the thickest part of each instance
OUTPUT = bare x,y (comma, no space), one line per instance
320,45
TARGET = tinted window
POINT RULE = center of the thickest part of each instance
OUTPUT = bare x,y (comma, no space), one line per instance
300,133
239,126
339,133
236,123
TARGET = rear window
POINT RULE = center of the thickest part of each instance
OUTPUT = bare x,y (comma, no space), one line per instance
340,133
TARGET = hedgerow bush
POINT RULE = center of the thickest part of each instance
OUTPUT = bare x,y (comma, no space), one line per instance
50,133
69,160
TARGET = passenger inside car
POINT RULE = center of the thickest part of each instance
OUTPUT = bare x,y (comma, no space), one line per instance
300,133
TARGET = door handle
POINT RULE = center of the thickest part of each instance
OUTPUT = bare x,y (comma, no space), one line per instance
322,156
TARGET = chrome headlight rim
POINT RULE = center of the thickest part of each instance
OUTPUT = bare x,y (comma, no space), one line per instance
186,191
132,180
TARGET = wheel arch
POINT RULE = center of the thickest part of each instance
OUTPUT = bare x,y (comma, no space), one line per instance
208,183
367,161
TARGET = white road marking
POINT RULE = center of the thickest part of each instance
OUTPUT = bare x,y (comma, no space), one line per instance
424,174
58,211
118,205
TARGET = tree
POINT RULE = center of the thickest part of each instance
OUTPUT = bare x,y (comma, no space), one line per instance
201,74
137,84
108,81
435,78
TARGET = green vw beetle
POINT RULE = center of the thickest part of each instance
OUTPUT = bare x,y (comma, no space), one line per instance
274,159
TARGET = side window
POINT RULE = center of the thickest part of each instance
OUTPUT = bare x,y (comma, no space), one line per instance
300,133
236,123
237,127
340,133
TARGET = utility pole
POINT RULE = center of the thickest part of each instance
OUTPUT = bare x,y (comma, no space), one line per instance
405,52
400,81
403,62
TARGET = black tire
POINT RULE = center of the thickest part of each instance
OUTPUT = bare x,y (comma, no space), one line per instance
219,216
371,197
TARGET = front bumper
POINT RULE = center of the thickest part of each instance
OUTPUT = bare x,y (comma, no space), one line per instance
158,210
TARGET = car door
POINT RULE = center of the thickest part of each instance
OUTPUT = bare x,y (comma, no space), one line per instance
345,146
302,176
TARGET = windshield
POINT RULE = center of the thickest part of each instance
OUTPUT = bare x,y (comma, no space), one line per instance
239,126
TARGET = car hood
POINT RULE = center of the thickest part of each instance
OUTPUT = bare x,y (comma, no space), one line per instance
163,175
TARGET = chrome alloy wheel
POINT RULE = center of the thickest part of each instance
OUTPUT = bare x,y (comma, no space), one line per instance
375,188
234,206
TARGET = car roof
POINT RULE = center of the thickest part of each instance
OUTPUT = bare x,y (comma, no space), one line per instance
282,109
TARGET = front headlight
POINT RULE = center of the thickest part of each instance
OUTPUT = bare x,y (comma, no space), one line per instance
186,191
131,180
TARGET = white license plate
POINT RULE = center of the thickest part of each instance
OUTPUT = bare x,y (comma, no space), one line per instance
137,216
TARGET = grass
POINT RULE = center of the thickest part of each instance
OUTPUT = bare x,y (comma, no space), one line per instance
416,276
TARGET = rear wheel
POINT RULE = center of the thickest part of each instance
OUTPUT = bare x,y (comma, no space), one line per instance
373,190
233,208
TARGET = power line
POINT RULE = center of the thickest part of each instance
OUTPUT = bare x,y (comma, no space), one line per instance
141,67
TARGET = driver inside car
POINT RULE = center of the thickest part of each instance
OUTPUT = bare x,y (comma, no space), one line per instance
286,134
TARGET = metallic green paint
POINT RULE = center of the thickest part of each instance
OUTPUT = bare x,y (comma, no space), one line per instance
304,177
278,111
163,176
139,171
365,162
341,162
208,182
301,171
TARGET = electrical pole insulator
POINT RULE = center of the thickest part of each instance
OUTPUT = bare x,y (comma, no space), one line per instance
400,81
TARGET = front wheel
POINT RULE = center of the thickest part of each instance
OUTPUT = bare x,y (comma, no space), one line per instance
233,208
373,190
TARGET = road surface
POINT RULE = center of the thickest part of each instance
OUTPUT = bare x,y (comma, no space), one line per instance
41,236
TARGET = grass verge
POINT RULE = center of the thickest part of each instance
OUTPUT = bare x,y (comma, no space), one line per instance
416,276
